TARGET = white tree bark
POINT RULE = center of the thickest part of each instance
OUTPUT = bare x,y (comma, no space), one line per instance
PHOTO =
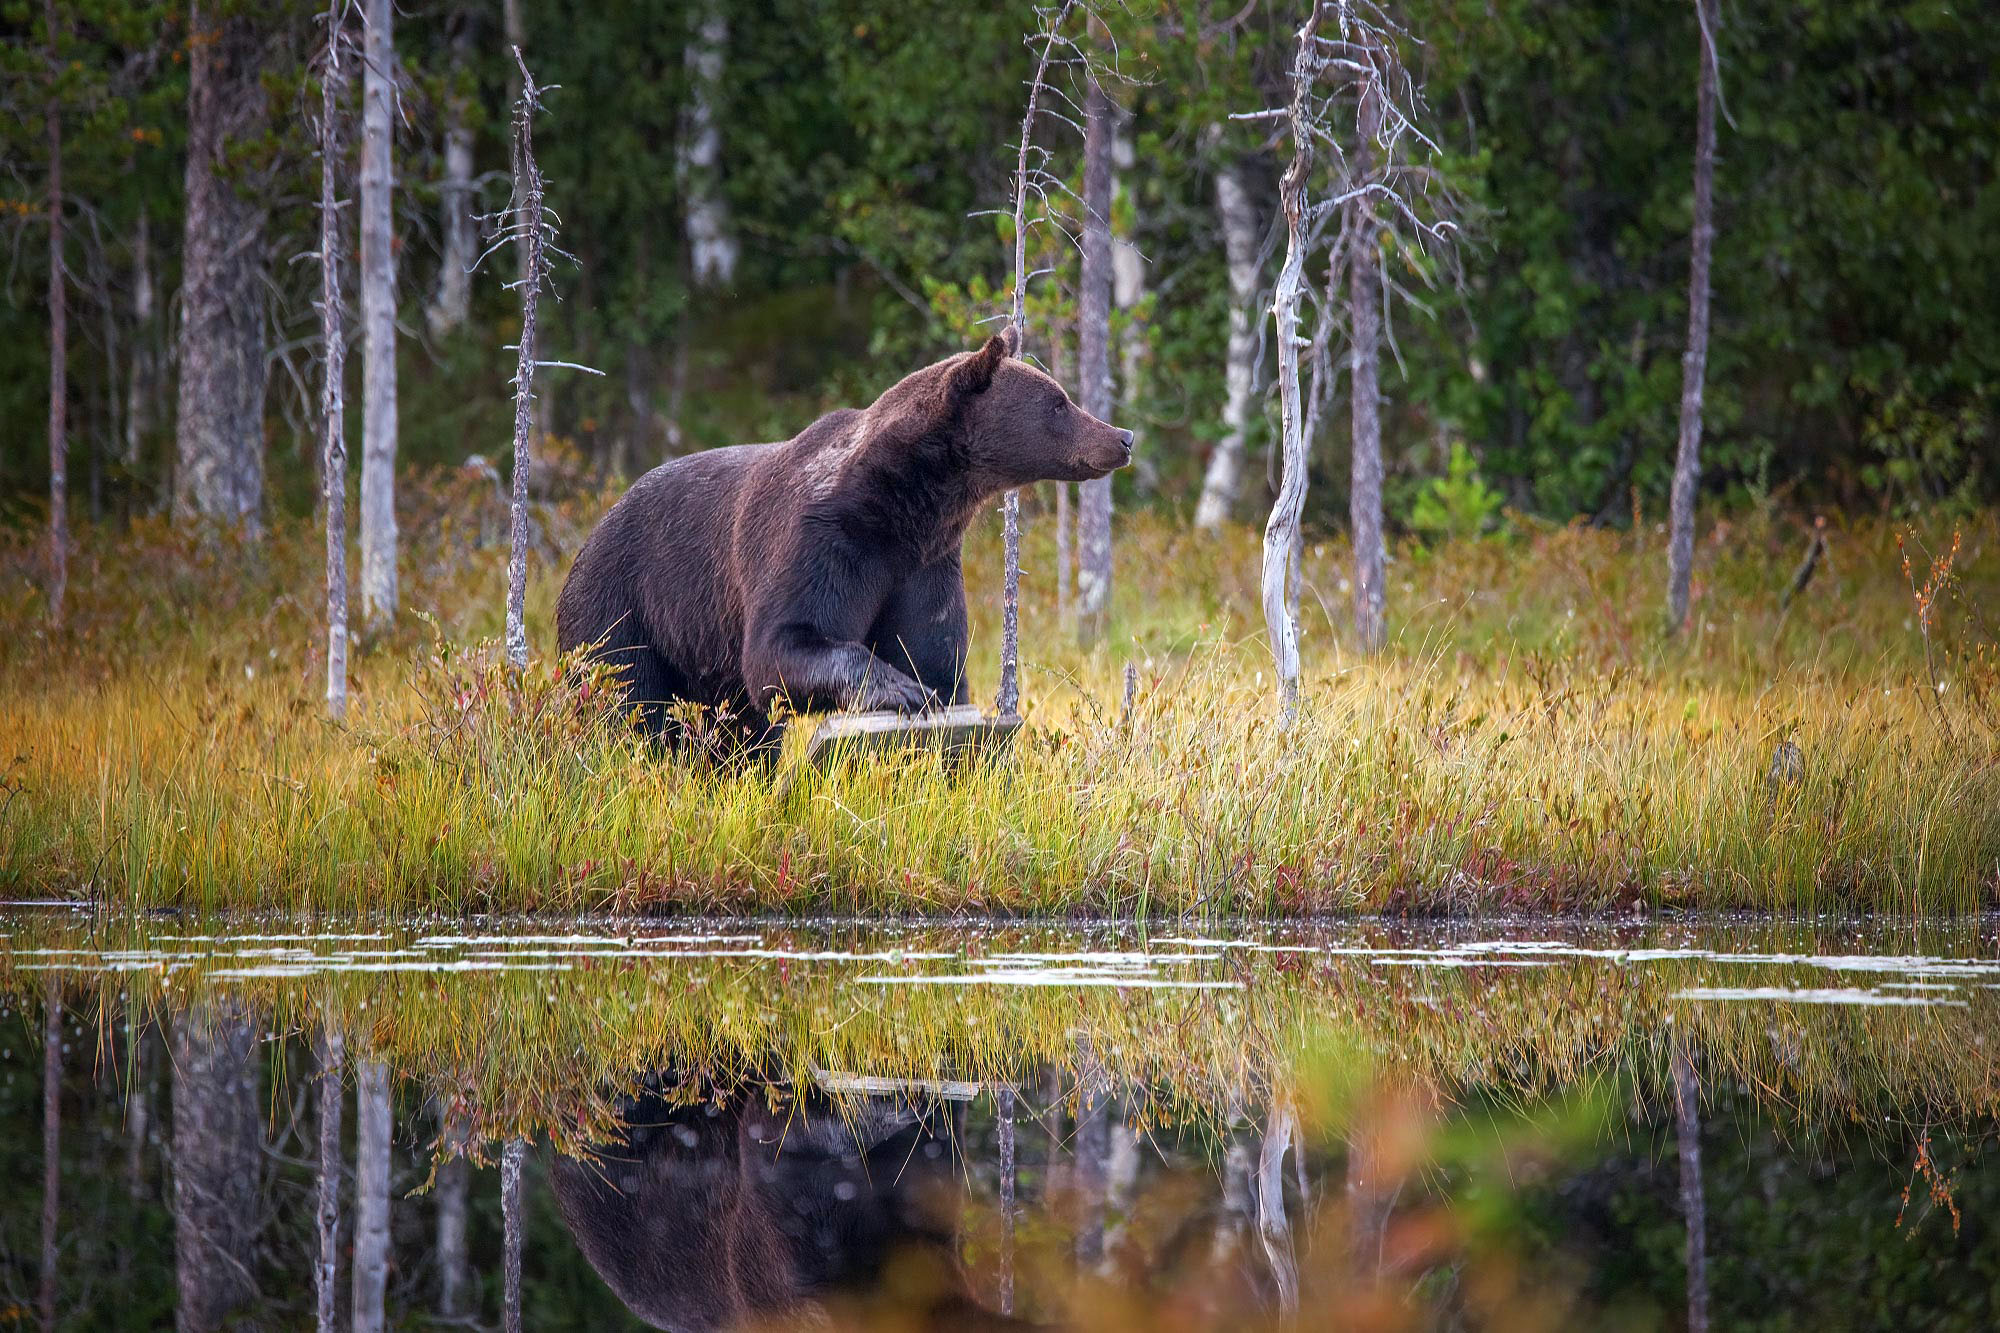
140,387
1093,568
1694,362
333,368
453,299
1282,530
326,1274
372,1130
1128,280
378,318
1364,322
453,1178
712,246
528,221
1273,1228
1223,482
1004,1115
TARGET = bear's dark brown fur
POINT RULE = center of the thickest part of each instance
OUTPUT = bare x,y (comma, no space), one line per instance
824,568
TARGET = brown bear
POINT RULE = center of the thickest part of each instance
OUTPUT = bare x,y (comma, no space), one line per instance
824,568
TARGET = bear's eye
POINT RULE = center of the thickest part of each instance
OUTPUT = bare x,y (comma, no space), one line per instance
1058,410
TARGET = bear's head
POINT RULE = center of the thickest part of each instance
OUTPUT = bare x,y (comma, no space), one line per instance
1003,420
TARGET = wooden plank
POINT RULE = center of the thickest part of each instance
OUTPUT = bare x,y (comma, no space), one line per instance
957,734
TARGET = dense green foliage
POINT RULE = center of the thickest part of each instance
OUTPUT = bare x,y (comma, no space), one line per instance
1854,360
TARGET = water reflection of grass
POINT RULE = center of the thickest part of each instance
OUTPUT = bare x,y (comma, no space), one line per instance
548,1051
1531,740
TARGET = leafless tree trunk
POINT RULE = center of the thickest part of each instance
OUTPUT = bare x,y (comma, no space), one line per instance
52,1069
453,300
1273,1228
58,343
1093,573
372,1131
1694,362
511,1157
326,1274
1364,322
333,366
453,1177
378,316
528,220
141,386
1008,704
1065,555
1687,1133
1004,1116
138,1108
1223,481
712,246
1128,282
219,428
218,1150
1281,531
1121,1178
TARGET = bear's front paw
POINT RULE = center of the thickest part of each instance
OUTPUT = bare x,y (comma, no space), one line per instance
900,696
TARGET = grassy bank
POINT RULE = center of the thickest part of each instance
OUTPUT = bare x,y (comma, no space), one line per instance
1529,739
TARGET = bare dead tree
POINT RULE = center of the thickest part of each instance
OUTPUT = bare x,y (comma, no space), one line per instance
1376,180
1009,702
511,1157
1694,361
1687,1134
333,365
1273,1228
327,1272
378,316
1093,569
528,221
58,341
52,1068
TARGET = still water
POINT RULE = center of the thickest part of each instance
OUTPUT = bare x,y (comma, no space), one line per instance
1509,1125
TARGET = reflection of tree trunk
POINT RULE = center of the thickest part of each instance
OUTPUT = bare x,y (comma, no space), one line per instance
1092,1147
1687,1132
52,1067
453,1178
138,1108
1235,1204
219,427
511,1158
1219,488
1272,1226
1369,1203
1004,1113
327,1273
1121,1178
1093,566
372,1129
1694,362
218,1142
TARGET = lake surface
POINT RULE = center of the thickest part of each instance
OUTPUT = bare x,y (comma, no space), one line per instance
1515,1124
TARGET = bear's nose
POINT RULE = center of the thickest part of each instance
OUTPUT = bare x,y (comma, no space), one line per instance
1125,440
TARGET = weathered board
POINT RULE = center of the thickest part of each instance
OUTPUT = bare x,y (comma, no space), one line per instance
958,733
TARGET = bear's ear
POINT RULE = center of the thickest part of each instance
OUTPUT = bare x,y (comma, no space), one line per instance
975,373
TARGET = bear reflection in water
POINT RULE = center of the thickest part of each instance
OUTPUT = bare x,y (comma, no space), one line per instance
758,1209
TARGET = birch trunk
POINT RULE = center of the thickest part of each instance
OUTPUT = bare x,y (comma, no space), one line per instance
1694,362
1364,322
58,345
326,1273
511,1158
372,1131
1223,482
52,1068
712,246
219,426
218,1149
1687,1134
333,369
453,1177
138,1109
378,317
1065,559
453,300
1128,283
1093,570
